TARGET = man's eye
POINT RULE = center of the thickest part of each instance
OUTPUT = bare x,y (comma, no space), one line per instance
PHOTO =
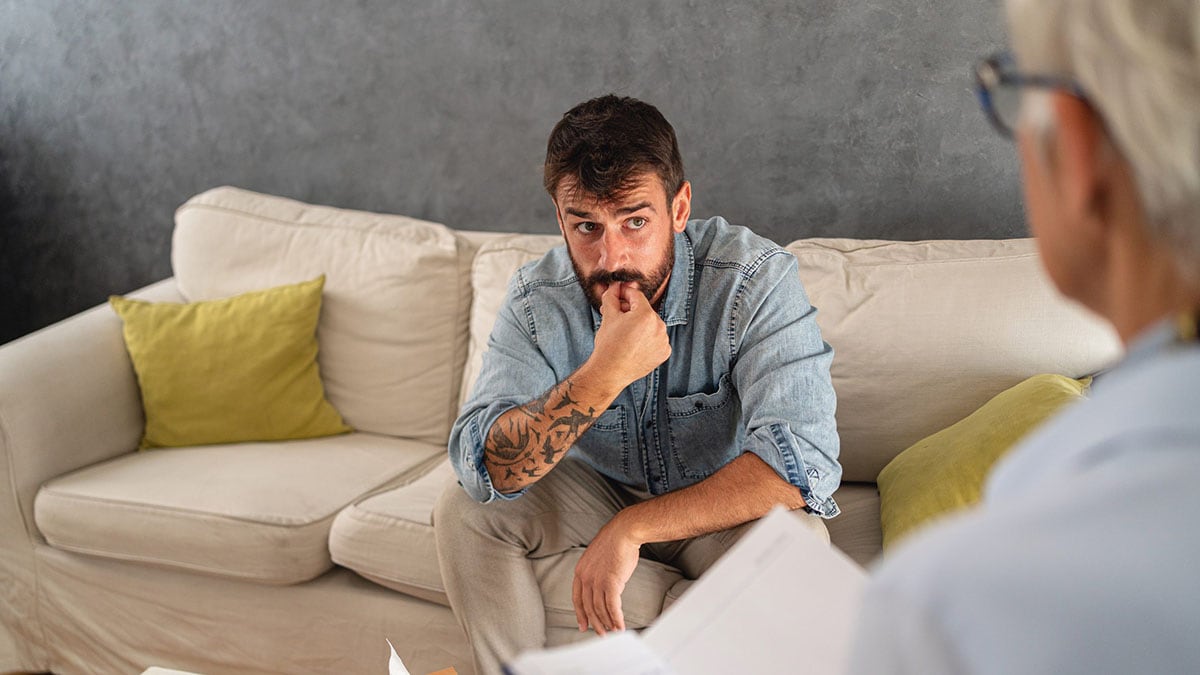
586,228
637,223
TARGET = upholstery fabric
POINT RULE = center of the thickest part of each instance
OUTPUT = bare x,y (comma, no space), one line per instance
924,333
856,530
388,537
393,324
68,398
107,616
254,511
231,370
494,264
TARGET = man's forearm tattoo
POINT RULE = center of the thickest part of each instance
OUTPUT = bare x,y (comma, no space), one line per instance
527,442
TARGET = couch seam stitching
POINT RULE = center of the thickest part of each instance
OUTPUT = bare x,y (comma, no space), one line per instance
319,226
129,505
907,263
164,563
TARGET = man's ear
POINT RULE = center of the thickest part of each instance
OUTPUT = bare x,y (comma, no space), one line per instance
681,207
1083,164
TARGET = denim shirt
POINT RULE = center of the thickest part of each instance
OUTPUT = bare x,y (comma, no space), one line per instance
748,372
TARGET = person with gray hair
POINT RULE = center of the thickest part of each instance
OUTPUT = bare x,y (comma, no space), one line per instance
1082,556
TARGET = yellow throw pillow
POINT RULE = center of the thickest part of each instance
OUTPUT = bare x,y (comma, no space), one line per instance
232,370
946,471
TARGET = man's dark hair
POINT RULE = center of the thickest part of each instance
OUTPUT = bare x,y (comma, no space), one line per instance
604,144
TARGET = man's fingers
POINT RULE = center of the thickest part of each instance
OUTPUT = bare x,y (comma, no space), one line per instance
589,611
614,609
631,293
610,300
577,600
586,601
600,609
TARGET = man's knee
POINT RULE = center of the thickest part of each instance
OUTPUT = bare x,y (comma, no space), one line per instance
457,516
454,508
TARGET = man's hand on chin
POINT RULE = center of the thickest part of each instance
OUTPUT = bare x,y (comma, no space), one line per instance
632,340
600,577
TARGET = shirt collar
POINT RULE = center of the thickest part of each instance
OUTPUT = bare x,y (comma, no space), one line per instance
1150,342
677,301
1154,339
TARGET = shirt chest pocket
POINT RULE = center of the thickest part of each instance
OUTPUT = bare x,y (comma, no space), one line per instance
608,435
706,430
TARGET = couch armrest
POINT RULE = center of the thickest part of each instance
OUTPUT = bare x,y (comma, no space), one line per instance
68,398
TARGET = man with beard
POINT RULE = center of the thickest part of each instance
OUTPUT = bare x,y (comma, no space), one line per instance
648,390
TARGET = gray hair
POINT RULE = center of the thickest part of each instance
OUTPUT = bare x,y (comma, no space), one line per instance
1139,63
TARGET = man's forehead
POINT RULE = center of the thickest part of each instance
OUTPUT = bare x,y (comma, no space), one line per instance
646,189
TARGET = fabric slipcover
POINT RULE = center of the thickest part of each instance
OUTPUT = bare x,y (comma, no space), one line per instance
388,537
109,617
856,530
253,511
495,262
926,332
392,333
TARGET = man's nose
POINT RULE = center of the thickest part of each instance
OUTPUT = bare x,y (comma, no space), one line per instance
614,250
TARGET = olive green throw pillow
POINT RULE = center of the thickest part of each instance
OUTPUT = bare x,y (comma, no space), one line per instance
232,370
946,471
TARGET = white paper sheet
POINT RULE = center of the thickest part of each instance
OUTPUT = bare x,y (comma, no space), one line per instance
395,665
614,654
780,601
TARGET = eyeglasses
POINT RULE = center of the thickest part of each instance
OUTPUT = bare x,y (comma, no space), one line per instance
999,86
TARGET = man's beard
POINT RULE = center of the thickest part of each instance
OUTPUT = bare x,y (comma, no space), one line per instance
649,284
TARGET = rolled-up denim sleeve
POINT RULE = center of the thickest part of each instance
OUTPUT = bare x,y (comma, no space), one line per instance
514,372
781,372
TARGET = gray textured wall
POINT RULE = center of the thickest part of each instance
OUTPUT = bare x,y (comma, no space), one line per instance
799,118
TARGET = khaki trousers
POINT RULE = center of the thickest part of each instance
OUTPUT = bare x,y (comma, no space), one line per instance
485,553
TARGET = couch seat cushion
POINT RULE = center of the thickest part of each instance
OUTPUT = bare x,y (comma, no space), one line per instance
254,511
388,538
856,530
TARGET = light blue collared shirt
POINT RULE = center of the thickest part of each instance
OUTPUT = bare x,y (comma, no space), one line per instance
748,371
1083,556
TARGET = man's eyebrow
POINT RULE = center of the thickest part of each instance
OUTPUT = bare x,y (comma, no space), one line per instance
634,207
580,213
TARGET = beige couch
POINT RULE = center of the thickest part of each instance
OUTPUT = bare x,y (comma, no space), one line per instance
303,556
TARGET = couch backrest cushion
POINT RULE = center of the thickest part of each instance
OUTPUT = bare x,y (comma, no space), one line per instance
923,332
495,262
392,332
926,332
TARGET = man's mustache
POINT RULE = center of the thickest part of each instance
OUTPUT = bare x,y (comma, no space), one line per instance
616,276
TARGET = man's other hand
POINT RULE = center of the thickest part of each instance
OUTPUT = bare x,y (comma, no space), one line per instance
600,577
632,340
